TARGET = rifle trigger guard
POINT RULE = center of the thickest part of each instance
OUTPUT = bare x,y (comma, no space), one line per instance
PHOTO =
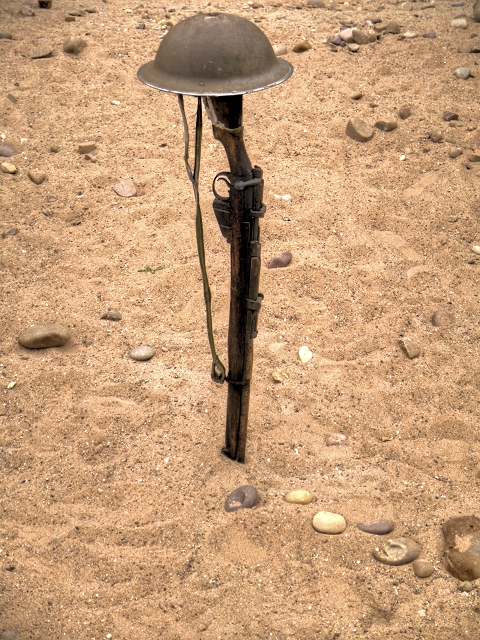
224,176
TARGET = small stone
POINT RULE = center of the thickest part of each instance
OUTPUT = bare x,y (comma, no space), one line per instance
455,152
372,37
462,73
54,148
360,37
392,27
353,47
12,231
422,568
476,11
280,261
305,354
380,528
356,95
471,127
476,249
10,634
5,35
69,18
245,497
42,336
346,35
441,319
299,497
142,354
410,35
37,176
403,157
116,102
398,551
359,130
465,48
111,314
7,150
125,188
335,439
316,4
466,587
140,25
462,547
78,13
450,115
404,113
280,50
431,35
86,147
7,167
74,45
411,350
41,52
436,137
327,522
279,376
303,45
92,10
474,156
52,198
386,125
459,23
27,11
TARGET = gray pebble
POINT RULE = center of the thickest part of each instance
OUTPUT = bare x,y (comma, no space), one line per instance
335,439
280,261
386,125
112,315
7,150
244,497
337,41
422,569
9,634
404,113
462,73
466,587
5,35
455,152
358,130
380,528
142,353
74,45
448,116
398,551
41,52
441,319
431,35
10,232
41,336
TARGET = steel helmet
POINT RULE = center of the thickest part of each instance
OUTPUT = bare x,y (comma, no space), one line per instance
215,54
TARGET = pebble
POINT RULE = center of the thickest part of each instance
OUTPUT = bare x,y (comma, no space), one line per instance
5,35
337,41
299,497
300,47
392,27
27,11
280,261
422,568
466,586
431,35
410,349
476,11
140,25
386,125
316,4
280,49
462,73
279,376
398,551
346,35
112,315
335,439
360,37
10,634
404,113
37,176
327,522
459,23
41,52
74,45
41,336
436,137
358,130
69,18
86,147
471,127
245,497
7,150
353,47
410,35
465,48
142,354
462,547
448,116
403,157
7,167
12,231
474,156
356,95
305,354
441,319
126,188
54,148
476,249
380,528
78,13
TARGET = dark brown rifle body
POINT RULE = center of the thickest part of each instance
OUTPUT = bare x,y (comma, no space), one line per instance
238,219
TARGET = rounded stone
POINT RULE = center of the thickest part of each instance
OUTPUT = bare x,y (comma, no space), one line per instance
299,497
441,319
380,528
404,113
327,522
8,167
245,497
476,249
335,439
142,353
462,73
358,130
462,547
74,45
113,315
422,569
455,152
37,176
398,551
386,125
280,261
42,336
466,586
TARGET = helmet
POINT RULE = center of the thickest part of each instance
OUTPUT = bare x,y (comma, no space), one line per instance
215,54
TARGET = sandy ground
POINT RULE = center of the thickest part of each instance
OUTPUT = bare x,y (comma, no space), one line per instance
113,485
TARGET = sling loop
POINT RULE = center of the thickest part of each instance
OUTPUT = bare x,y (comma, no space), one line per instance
218,372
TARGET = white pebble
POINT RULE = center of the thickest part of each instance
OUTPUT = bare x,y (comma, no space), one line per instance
305,354
403,157
476,249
